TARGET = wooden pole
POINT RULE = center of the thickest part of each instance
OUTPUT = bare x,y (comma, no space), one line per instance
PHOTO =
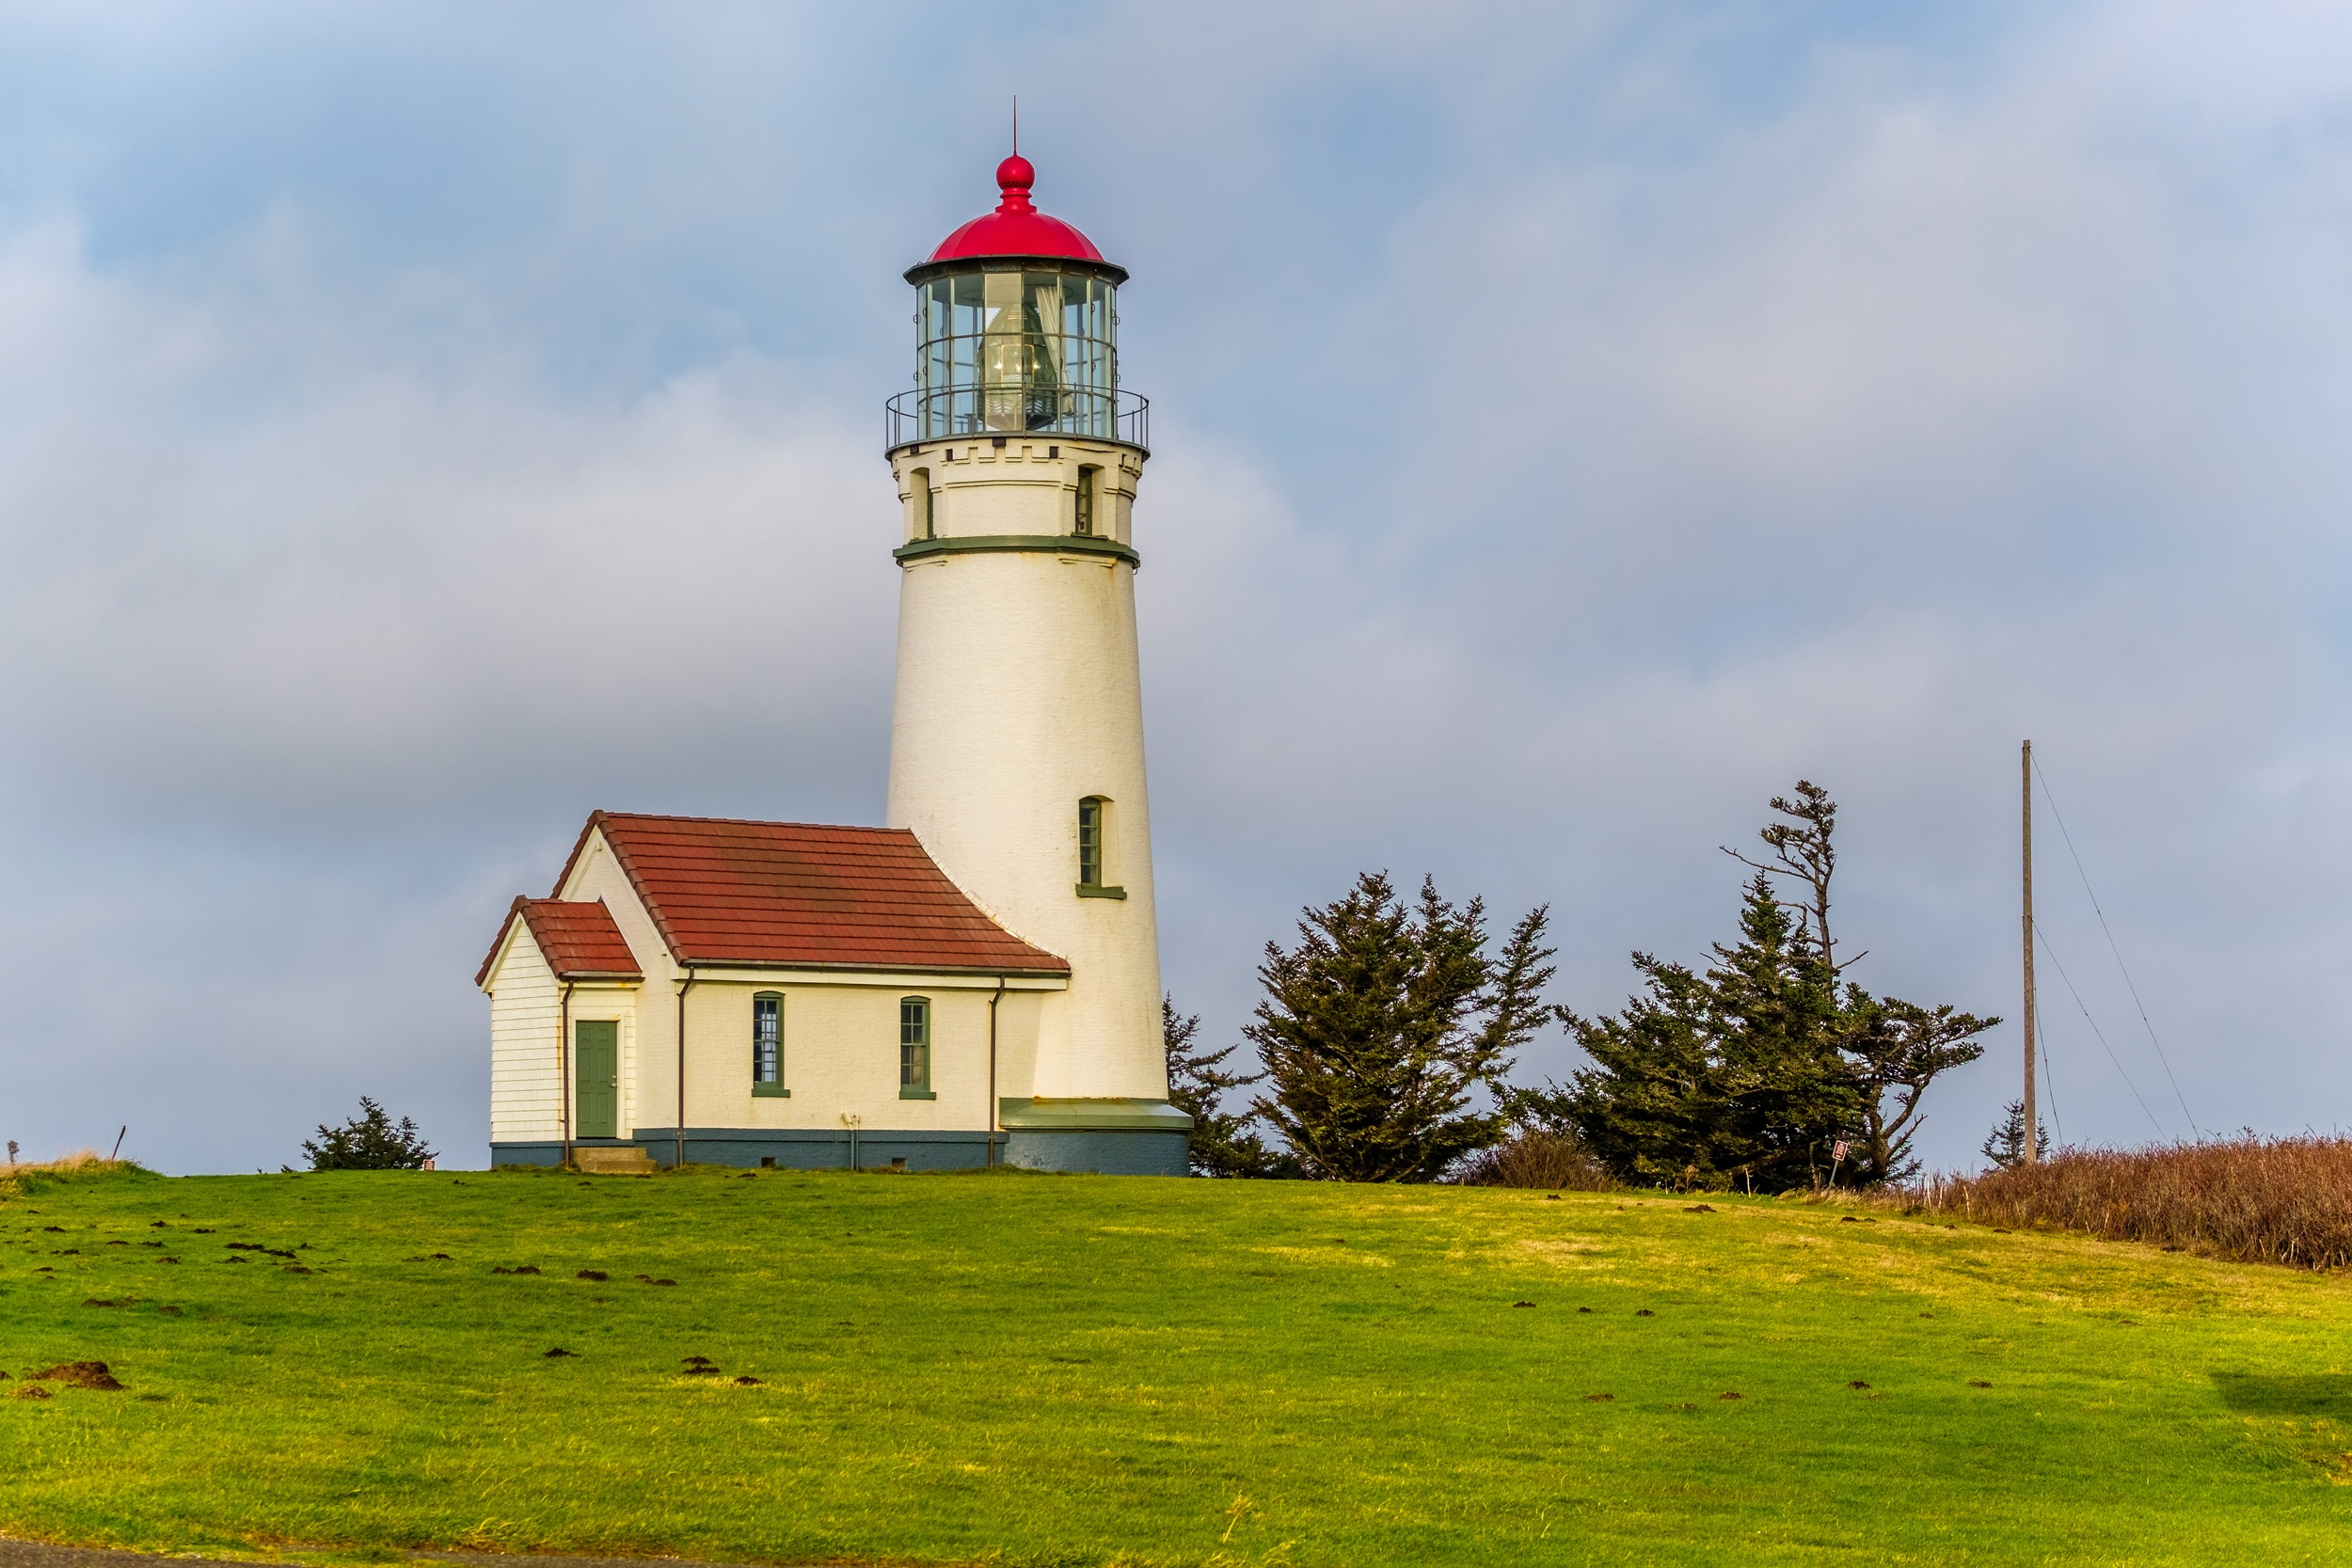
2032,1150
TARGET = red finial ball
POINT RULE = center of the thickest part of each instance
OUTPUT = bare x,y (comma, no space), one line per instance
1016,228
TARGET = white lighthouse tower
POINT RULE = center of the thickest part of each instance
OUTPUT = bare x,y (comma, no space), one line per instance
1016,752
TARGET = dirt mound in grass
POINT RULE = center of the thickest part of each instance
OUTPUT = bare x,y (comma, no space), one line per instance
77,1375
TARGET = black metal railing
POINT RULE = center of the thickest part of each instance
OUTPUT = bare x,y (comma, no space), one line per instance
951,412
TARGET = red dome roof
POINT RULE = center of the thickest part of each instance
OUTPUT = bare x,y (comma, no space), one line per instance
1015,228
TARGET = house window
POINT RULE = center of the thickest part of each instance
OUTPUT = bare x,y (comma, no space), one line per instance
768,1044
1085,524
915,1047
1094,820
925,505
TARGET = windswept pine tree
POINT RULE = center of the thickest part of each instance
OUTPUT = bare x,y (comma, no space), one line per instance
1752,1072
1730,1077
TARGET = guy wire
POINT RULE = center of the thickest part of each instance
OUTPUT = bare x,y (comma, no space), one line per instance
2049,1083
2117,951
2096,1032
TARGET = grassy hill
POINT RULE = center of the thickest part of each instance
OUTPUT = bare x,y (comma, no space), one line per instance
1086,1369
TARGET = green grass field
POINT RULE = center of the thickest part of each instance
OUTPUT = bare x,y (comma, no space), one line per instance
1036,1369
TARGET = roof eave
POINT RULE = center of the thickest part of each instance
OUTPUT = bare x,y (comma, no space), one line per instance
636,883
923,272
497,943
1042,973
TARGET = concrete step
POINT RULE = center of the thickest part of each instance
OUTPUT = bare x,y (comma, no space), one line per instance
631,1161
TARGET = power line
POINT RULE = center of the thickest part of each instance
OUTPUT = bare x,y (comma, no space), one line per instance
2049,1080
2117,952
2102,1038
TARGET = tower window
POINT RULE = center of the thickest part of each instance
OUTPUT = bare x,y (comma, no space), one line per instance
767,1045
1093,822
1085,524
925,505
915,1047
1090,841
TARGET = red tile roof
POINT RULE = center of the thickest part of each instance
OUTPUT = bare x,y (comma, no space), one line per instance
792,894
579,941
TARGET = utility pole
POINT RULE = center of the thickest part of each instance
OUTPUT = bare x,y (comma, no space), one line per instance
2032,1150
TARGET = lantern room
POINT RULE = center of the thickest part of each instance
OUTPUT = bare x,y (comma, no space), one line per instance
1016,331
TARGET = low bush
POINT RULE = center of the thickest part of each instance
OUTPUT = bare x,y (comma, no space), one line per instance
1536,1159
369,1141
2251,1200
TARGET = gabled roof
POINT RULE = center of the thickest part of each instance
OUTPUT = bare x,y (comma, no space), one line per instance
801,896
579,941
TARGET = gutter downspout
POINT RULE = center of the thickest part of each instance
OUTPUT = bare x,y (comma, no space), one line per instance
563,1067
679,1163
992,1107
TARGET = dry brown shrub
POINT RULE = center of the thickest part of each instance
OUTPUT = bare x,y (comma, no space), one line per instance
28,1175
1547,1160
2249,1198
82,1162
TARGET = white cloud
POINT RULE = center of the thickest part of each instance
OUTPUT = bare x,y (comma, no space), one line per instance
402,589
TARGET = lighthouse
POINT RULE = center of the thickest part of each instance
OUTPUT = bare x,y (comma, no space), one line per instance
976,982
1016,752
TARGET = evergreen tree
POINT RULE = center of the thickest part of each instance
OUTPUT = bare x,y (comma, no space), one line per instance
1728,1077
1222,1142
1775,1022
2005,1145
1892,1048
1750,1073
1378,1029
367,1140
1650,1105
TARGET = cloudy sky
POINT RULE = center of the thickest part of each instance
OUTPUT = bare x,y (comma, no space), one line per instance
422,424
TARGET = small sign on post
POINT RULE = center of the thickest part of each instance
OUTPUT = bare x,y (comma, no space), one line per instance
1837,1157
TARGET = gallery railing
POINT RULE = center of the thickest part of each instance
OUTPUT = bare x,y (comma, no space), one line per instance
947,412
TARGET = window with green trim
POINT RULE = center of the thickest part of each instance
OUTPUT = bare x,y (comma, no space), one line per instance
1085,522
915,1047
768,1041
1090,841
1094,833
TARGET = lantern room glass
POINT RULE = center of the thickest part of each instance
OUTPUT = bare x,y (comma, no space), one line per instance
1016,350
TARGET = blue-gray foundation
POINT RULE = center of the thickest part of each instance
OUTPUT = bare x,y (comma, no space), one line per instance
1110,1137
1105,1152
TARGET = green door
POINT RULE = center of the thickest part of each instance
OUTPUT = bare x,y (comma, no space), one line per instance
596,1080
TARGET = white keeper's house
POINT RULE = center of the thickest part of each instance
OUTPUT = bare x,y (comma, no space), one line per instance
978,981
